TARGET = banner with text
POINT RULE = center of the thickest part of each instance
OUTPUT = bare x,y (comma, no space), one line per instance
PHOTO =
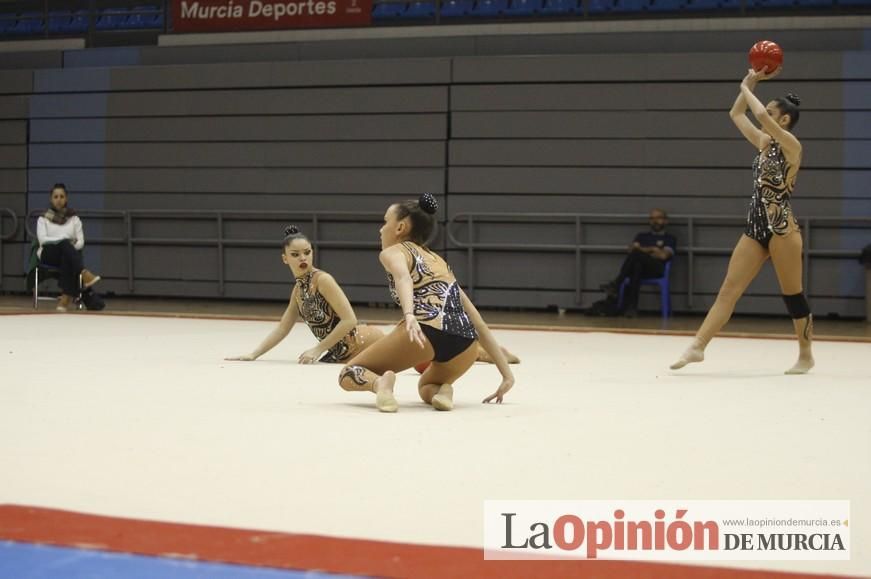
668,530
238,15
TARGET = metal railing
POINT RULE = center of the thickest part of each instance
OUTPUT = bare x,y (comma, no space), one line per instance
6,236
314,220
579,248
129,219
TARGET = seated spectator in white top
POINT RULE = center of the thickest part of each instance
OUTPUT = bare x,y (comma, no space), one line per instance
61,238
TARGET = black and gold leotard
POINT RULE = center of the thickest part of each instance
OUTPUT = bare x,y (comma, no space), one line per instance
436,293
321,319
770,212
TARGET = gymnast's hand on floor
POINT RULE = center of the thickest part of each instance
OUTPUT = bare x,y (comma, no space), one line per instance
309,356
242,358
506,385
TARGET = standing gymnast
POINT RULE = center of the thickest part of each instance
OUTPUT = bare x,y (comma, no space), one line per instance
440,323
772,230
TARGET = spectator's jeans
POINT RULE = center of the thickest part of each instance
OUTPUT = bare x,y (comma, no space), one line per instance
67,258
638,265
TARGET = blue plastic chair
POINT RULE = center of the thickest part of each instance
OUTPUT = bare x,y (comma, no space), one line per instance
78,23
28,23
419,11
7,22
561,7
456,8
700,5
664,289
630,5
388,10
522,8
112,19
600,6
489,8
59,21
148,16
665,5
757,4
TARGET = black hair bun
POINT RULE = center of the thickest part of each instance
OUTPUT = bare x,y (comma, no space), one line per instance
793,98
291,230
428,203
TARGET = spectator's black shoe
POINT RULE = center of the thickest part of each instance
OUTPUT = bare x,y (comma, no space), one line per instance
609,288
630,313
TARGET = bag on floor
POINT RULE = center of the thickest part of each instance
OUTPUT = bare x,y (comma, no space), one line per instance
92,300
604,307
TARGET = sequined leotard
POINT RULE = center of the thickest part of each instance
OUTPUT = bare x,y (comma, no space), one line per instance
436,293
770,212
321,319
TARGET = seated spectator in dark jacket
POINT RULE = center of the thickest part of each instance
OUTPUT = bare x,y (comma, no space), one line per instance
649,252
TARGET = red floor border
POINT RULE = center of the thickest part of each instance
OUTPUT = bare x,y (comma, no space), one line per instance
327,554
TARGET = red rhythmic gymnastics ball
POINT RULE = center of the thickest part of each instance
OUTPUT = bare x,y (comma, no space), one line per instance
766,55
421,368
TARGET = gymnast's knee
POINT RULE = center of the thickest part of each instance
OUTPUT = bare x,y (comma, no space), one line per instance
352,378
797,306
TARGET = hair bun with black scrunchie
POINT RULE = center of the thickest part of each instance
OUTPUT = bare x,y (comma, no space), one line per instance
291,230
793,98
428,203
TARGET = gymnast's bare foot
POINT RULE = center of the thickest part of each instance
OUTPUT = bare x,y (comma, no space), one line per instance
444,400
802,366
384,400
692,354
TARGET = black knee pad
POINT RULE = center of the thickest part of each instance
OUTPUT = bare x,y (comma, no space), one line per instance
797,306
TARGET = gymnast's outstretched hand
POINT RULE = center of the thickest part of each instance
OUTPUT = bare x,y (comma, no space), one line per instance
412,327
242,358
505,386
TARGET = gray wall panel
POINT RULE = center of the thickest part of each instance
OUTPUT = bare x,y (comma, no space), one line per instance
690,66
14,107
71,80
187,263
245,102
388,47
360,267
666,41
828,95
606,203
828,153
637,124
241,181
13,132
16,81
276,74
194,200
737,152
265,129
653,182
13,157
13,180
311,154
25,60
16,201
